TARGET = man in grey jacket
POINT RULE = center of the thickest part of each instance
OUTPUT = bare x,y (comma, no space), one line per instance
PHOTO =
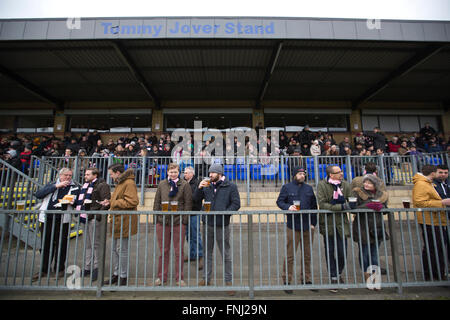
223,196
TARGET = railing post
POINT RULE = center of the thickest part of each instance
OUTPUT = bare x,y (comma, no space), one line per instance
446,159
42,168
76,169
382,172
102,255
144,170
282,170
414,164
251,283
348,168
316,170
394,251
248,180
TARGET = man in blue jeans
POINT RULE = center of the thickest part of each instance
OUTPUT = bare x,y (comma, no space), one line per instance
193,235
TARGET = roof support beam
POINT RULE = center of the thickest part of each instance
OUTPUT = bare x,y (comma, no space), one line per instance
32,88
128,61
273,62
403,69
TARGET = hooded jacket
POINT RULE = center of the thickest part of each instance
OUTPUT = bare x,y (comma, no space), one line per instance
369,224
124,197
424,195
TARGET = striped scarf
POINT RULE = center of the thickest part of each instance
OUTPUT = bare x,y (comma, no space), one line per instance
85,193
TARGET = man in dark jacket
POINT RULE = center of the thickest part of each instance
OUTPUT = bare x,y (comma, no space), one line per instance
379,140
443,188
93,191
300,227
193,235
223,196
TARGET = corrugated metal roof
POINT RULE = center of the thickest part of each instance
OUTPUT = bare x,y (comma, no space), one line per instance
221,69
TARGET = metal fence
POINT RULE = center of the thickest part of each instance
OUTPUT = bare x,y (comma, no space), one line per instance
247,172
257,259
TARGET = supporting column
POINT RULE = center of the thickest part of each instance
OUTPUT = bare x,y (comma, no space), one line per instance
355,123
157,120
59,124
258,117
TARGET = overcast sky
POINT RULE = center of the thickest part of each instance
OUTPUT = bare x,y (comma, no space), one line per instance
374,9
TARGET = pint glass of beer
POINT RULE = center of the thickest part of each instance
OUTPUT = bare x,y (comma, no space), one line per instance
173,205
21,205
165,205
406,203
208,181
207,205
352,201
87,204
297,204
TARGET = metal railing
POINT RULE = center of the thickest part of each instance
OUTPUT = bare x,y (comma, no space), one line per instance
247,172
394,240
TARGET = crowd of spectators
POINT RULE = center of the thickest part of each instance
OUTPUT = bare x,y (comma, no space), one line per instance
305,143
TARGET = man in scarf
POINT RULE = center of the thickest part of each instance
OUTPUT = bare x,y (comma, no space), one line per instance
172,226
55,227
333,194
93,191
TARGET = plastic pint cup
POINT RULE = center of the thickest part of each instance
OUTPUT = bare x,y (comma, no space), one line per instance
208,181
87,204
297,204
352,202
173,205
406,203
207,205
165,205
21,205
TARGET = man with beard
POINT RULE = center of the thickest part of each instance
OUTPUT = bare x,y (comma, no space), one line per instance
223,196
93,191
300,227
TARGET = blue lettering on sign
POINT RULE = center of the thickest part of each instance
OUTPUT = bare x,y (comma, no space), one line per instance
193,29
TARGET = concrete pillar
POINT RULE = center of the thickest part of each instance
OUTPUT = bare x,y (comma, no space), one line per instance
257,117
355,123
157,120
59,124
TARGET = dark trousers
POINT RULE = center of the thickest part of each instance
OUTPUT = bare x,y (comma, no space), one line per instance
431,235
54,243
336,263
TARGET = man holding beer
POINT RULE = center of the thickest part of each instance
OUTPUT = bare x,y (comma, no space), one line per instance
294,196
176,194
52,248
219,195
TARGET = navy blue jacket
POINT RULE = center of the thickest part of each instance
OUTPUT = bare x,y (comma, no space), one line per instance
442,188
303,192
226,198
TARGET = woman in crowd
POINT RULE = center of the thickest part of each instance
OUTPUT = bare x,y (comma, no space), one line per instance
368,226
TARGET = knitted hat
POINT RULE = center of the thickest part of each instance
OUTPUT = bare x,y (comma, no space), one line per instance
216,168
298,169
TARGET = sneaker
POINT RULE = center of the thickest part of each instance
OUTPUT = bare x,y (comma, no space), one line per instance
181,283
288,291
230,293
36,276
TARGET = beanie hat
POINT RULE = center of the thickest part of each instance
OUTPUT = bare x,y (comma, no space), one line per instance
298,169
216,168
